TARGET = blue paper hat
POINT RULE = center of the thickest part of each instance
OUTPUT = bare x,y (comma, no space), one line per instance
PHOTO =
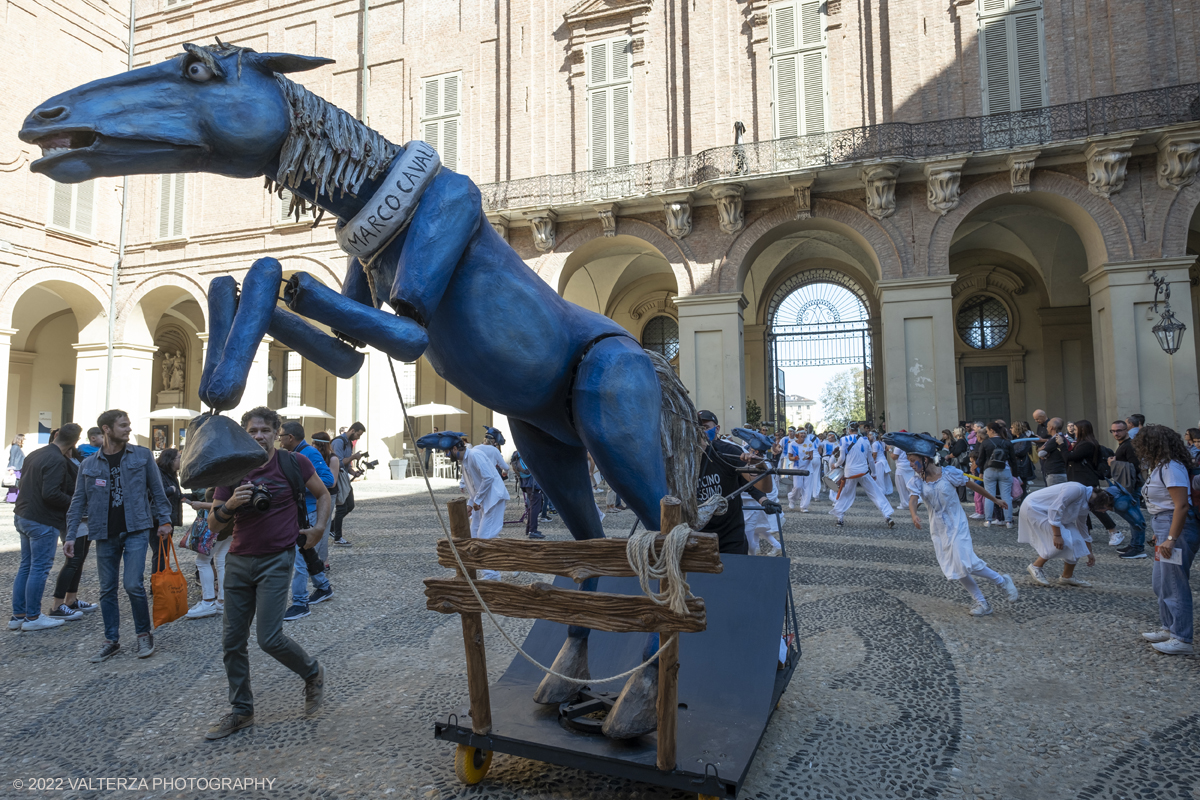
440,440
917,444
754,439
494,433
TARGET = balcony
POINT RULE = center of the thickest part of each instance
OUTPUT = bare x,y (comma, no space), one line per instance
896,141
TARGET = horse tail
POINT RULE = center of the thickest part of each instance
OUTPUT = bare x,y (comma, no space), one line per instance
679,432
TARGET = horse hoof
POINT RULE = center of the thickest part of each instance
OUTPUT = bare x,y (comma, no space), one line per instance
636,711
572,660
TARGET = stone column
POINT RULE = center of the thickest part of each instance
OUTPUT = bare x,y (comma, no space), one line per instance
712,354
917,341
9,404
1133,374
133,383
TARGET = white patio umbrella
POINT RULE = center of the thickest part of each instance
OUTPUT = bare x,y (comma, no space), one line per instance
434,410
172,414
300,412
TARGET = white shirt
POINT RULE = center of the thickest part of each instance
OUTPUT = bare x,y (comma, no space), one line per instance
856,455
903,465
1171,475
481,478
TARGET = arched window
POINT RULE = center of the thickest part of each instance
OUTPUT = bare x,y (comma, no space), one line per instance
661,335
983,322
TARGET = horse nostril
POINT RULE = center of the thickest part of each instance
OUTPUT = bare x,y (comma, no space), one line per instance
50,114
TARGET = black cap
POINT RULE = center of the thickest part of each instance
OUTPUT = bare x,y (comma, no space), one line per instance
708,416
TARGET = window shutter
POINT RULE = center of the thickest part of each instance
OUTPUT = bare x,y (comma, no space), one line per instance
997,92
620,127
449,95
84,200
177,210
814,92
993,6
784,27
283,210
1030,83
449,148
164,206
620,60
810,22
60,215
432,90
430,135
599,64
598,101
787,112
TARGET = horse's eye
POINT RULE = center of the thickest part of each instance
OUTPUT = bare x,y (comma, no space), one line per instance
198,71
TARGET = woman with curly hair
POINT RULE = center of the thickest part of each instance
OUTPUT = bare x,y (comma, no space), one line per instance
1176,534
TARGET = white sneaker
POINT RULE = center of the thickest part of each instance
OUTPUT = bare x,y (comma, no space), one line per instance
205,608
1010,588
1073,581
792,506
15,623
975,516
1008,525
1174,647
981,609
1038,576
987,523
41,623
1117,539
1161,635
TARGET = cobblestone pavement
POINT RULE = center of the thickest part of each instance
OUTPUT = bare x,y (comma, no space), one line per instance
899,693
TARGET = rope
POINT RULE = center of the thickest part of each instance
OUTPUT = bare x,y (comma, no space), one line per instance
475,591
666,565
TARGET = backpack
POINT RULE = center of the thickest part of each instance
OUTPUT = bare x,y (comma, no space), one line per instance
291,471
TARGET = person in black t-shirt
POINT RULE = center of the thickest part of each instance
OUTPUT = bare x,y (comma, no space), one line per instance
719,478
1054,464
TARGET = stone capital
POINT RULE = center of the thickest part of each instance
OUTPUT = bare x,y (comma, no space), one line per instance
542,225
907,290
718,303
942,180
880,182
1135,273
1178,159
1107,161
729,206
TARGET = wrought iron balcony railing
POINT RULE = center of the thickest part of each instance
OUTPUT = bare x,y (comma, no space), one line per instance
890,141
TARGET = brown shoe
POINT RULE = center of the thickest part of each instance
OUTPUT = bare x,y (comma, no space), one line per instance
230,723
314,691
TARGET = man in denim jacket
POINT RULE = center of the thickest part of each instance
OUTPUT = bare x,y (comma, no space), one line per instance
120,490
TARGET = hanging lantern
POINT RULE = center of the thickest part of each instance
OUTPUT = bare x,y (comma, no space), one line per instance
1169,331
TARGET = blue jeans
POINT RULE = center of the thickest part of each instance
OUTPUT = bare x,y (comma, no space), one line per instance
300,576
131,548
999,483
1170,581
1126,506
38,544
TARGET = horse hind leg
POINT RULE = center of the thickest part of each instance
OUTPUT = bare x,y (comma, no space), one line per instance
561,470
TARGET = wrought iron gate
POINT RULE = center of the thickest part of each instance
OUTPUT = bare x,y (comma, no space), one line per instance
819,318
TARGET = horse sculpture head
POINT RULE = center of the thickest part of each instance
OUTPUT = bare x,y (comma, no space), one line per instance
217,108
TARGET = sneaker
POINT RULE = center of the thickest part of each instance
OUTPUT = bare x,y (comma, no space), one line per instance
1132,555
145,645
1073,581
314,691
1008,525
987,523
975,516
342,542
230,723
320,596
1038,576
296,611
64,612
891,522
1010,588
1117,539
41,623
980,609
840,523
79,605
536,535
792,506
1174,647
109,650
804,511
205,608
14,623
1161,635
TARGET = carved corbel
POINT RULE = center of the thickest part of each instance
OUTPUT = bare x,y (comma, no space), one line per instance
1178,159
608,218
880,180
542,223
729,206
1106,165
1020,167
678,210
802,189
942,179
499,225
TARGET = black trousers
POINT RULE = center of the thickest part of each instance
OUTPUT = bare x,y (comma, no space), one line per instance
339,515
533,508
69,575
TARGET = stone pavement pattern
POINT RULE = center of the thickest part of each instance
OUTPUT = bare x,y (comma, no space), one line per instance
899,692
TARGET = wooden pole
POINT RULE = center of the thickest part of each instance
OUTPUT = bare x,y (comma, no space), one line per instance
472,627
668,659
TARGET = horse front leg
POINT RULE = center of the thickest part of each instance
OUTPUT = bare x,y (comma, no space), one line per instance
561,470
401,338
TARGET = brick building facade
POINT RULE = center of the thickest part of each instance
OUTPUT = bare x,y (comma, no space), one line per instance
992,179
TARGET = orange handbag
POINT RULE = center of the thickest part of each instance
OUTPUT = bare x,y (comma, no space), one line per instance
169,586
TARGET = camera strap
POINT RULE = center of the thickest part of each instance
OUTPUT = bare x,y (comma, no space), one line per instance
291,471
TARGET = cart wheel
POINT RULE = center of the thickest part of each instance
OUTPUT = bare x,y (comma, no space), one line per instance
471,764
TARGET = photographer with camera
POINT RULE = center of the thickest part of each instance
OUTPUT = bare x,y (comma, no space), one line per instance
267,513
343,447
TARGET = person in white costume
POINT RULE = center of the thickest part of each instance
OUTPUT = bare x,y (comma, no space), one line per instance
814,472
1053,521
858,464
484,473
904,473
803,455
882,468
829,451
948,525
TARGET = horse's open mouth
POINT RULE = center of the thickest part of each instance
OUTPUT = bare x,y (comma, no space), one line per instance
65,141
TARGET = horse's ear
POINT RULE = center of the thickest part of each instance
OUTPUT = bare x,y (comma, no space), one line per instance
289,62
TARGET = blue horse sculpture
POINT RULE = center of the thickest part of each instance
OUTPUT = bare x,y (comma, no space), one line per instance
570,381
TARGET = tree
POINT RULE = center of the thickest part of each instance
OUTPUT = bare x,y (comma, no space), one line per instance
843,400
753,412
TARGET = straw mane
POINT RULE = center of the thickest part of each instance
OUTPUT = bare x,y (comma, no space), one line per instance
325,144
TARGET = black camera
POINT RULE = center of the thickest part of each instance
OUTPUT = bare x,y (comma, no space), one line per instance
371,464
260,498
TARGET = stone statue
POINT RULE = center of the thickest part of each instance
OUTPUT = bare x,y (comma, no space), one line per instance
177,371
